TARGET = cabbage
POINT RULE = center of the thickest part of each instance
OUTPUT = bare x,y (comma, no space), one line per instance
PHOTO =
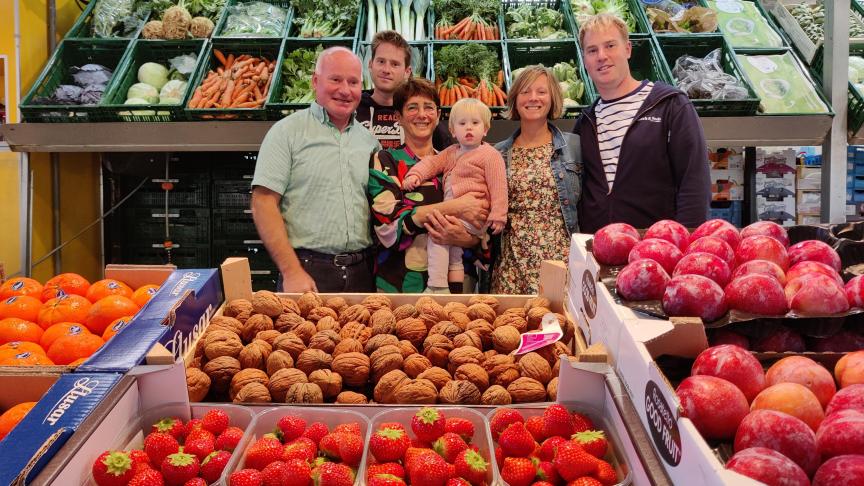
154,74
170,101
856,69
137,101
172,89
143,91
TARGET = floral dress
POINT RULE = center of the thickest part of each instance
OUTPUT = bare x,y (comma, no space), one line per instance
535,226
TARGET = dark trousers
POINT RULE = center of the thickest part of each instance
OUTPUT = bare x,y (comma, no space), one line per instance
347,272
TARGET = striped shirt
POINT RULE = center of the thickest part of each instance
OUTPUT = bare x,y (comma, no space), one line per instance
613,119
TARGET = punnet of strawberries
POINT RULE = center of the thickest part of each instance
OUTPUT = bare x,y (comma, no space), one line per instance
174,454
552,449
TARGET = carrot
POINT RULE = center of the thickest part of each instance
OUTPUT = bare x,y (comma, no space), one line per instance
441,92
219,56
500,78
196,98
249,104
258,93
244,91
459,25
229,61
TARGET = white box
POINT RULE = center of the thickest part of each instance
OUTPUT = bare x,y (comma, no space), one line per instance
782,212
774,188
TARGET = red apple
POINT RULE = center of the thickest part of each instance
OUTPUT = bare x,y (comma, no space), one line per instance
694,296
723,336
843,342
642,280
780,432
841,433
806,267
780,341
847,470
721,229
613,242
767,228
814,251
768,466
792,398
671,231
816,294
855,291
714,246
757,294
734,364
763,267
704,264
661,251
804,371
762,248
849,398
715,405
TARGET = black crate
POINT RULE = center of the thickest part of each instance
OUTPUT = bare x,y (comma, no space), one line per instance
181,224
264,280
181,191
232,194
234,224
259,259
183,256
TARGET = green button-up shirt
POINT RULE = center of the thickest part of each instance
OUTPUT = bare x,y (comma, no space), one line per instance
321,174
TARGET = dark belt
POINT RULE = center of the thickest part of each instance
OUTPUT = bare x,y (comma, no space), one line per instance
340,260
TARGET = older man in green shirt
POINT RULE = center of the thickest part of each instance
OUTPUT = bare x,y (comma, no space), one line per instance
309,189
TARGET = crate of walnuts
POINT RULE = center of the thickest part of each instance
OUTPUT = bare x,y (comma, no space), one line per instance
375,348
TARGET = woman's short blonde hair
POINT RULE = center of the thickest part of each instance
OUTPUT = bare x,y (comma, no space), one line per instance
526,78
471,106
603,21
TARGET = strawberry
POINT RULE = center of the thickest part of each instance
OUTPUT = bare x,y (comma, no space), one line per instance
140,460
470,465
581,423
502,419
457,482
518,471
516,441
546,472
291,427
246,477
278,473
160,445
195,482
228,440
302,448
429,470
332,474
572,462
113,468
557,421
329,445
542,483
213,465
593,441
585,481
200,446
179,467
428,424
389,444
385,480
393,425
216,421
198,434
263,452
351,449
391,468
449,446
606,473
550,448
194,424
316,431
170,425
414,453
351,428
499,455
147,477
535,427
461,426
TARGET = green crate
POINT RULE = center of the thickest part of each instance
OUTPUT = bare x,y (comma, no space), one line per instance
433,19
364,35
855,113
700,3
804,71
355,32
183,224
143,51
73,52
276,109
268,48
568,25
674,47
234,224
771,24
223,19
635,7
83,26
498,46
254,250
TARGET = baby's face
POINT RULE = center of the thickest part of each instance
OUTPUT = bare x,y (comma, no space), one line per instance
469,130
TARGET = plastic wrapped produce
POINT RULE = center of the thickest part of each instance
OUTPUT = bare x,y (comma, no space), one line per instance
254,19
743,24
704,78
781,84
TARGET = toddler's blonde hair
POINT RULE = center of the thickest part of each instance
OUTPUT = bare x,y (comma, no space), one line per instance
470,106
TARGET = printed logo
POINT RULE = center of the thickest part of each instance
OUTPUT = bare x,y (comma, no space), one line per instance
589,295
188,278
82,388
24,355
179,344
11,300
652,119
113,285
662,425
18,285
75,330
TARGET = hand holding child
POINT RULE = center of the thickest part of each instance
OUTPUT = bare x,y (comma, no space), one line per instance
410,182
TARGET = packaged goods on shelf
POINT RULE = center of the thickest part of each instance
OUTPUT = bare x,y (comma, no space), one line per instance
780,210
774,188
745,25
782,84
731,211
809,179
803,22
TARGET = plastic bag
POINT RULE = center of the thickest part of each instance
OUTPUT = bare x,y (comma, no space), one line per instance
119,18
254,19
704,78
90,74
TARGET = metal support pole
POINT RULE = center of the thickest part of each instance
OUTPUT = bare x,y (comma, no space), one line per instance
25,214
835,79
56,238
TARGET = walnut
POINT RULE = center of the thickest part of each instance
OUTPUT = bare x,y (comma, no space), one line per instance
535,317
496,395
338,304
424,300
383,322
525,390
197,384
385,389
445,328
351,398
411,329
461,319
220,371
552,389
492,302
481,311
329,382
267,303
268,336
253,392
455,307
244,377
309,301
377,302
405,311
517,311
304,393
328,323
237,307
489,353
325,341
379,340
431,313
416,392
438,376
287,322
468,338
348,346
354,368
200,345
291,343
537,302
254,325
305,331
319,313
460,356
552,352
278,360
356,330
222,343
255,355
313,359
519,323
502,369
384,360
505,339
356,313
289,306
416,364
459,392
568,327
407,348
473,373
243,316
196,362
225,323
532,365
437,349
282,380
483,329
556,370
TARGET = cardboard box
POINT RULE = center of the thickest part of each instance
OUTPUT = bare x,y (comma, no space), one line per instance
731,159
809,179
781,212
809,203
727,185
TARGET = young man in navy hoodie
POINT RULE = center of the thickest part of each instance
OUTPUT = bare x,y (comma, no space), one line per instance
642,142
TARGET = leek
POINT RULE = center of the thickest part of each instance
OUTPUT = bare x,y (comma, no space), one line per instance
420,6
406,26
370,21
381,8
397,18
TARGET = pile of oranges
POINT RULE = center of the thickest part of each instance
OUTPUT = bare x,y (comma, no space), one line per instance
64,321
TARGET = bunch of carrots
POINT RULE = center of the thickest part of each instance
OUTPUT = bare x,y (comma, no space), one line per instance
452,90
473,27
238,82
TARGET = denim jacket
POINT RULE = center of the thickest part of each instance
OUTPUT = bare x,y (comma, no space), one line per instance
566,169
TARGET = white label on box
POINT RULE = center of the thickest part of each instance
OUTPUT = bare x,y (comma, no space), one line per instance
729,6
762,63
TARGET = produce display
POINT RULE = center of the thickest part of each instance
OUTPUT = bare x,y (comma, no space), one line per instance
582,9
179,20
336,18
705,79
88,87
534,22
407,17
12,416
743,24
469,71
467,19
781,84
298,66
856,72
276,349
119,18
693,20
811,18
572,87
160,84
241,82
254,19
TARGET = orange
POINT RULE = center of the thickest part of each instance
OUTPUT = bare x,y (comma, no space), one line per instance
66,308
65,283
22,307
115,327
61,329
17,347
27,358
20,286
78,362
67,349
14,329
144,293
103,288
106,310
11,417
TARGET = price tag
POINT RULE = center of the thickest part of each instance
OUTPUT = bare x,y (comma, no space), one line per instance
550,332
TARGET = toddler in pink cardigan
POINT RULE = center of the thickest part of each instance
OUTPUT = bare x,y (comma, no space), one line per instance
468,166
